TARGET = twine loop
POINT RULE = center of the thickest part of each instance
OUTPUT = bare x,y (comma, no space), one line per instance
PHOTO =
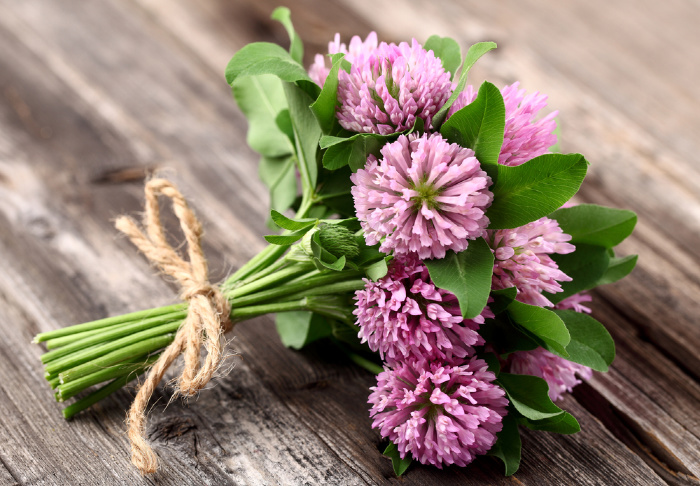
207,315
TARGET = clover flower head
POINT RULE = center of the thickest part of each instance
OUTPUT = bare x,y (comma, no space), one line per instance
406,318
440,414
522,259
357,50
389,88
425,195
525,136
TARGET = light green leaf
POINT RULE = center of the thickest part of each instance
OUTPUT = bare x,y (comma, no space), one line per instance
480,126
288,239
291,224
299,328
618,269
306,132
473,55
261,99
529,395
447,50
377,270
400,465
466,274
508,445
596,225
591,344
325,105
296,48
534,189
541,323
267,58
279,176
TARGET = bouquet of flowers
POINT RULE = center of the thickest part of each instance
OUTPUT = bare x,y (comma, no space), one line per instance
425,230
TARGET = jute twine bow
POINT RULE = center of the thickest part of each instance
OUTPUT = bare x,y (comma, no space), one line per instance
207,316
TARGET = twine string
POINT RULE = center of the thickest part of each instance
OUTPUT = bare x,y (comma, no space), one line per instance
207,316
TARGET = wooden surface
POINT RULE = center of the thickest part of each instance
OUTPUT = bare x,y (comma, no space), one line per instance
95,94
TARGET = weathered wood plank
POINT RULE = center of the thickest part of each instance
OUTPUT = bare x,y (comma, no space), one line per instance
106,121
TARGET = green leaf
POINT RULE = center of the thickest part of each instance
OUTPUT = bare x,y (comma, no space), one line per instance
585,266
377,270
596,225
529,395
502,299
323,258
508,445
353,151
618,269
400,465
267,58
261,99
591,344
480,126
296,48
335,191
291,224
534,189
288,239
299,328
505,336
447,50
564,424
466,274
325,104
306,133
541,323
279,176
473,55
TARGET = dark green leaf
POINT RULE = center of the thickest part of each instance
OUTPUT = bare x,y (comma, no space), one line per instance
493,362
288,239
508,446
261,99
564,424
325,104
505,336
466,274
541,323
306,131
479,126
267,58
279,176
502,299
591,345
534,189
296,48
473,55
299,328
596,225
400,465
585,266
447,50
529,395
291,224
618,269
335,191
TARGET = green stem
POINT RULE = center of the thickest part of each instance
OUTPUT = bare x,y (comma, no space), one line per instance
111,334
276,278
268,255
109,321
291,288
83,356
370,366
249,312
70,389
102,393
141,348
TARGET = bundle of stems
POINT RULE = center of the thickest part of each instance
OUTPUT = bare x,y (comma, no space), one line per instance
117,350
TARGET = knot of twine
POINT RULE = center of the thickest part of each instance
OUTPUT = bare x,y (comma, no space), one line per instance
207,316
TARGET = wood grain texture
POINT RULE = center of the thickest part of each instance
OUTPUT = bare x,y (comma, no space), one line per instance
94,95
